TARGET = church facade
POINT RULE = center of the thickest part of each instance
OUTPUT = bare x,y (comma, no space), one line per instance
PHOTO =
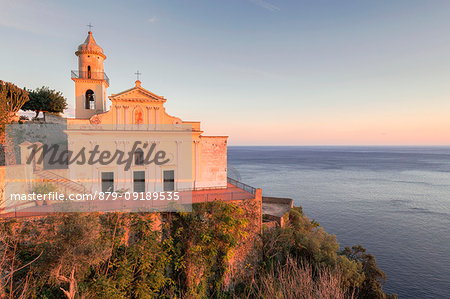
137,115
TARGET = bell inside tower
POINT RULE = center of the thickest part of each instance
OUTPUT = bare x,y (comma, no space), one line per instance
90,100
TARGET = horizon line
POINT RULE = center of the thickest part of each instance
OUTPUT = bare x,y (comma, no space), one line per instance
337,145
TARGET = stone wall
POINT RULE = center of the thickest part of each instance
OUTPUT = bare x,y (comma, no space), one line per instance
213,162
248,253
243,259
276,209
2,188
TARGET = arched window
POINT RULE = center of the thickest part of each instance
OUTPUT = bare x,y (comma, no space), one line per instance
89,72
89,101
138,157
138,118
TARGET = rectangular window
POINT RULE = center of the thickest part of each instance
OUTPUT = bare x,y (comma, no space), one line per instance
169,180
107,181
139,181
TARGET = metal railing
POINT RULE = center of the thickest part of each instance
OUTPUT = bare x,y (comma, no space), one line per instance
242,186
89,75
197,197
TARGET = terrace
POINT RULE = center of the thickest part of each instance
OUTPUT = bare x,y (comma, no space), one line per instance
233,192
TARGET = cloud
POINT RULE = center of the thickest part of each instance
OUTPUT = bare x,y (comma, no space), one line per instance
266,5
152,19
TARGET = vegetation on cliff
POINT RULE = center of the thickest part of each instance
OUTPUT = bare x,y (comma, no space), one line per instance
305,251
197,255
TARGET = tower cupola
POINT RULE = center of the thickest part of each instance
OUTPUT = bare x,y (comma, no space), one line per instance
90,59
90,46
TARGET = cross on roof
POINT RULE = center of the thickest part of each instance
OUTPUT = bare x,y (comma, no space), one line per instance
90,26
137,75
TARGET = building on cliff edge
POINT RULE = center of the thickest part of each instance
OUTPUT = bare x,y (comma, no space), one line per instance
163,154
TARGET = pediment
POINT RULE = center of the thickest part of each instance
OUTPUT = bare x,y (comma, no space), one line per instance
137,94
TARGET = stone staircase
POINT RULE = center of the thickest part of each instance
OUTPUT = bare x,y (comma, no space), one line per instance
64,184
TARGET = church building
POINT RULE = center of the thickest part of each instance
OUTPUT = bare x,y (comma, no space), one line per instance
137,115
138,147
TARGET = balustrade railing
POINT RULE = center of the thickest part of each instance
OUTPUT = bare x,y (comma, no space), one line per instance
242,186
89,75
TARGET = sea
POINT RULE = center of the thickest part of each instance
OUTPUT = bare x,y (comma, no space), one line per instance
395,201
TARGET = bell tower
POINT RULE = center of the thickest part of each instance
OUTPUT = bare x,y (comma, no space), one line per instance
90,80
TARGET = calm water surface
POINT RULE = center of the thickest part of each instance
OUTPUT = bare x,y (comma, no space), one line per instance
395,201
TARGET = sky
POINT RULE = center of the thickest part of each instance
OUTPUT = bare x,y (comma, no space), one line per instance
263,72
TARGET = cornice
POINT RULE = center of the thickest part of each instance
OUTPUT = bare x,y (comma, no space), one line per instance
90,52
153,100
85,80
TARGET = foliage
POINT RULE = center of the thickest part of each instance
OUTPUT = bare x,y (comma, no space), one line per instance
372,286
45,99
12,98
203,241
92,255
306,243
299,280
132,255
43,188
136,267
302,238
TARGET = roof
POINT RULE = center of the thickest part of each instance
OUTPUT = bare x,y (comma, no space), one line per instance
89,46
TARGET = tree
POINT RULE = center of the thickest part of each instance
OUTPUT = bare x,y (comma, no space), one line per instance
138,262
46,100
372,286
43,188
12,98
76,247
